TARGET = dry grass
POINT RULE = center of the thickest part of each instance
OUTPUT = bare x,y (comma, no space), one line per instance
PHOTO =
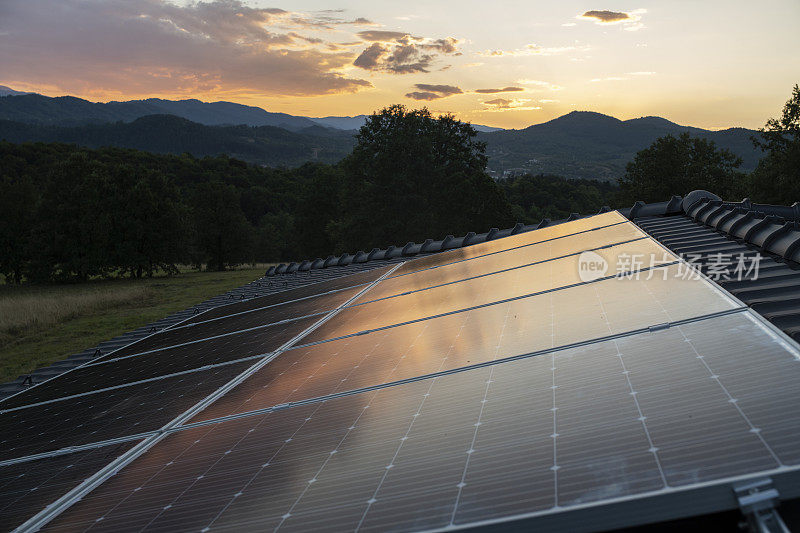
43,324
30,309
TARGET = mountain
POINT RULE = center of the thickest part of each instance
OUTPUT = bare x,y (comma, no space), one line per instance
584,144
341,123
8,91
168,134
71,111
580,144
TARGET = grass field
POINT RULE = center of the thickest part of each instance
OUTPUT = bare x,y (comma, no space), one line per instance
43,324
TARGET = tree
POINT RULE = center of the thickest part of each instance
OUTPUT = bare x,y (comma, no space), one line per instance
223,235
777,177
18,205
148,225
678,165
412,176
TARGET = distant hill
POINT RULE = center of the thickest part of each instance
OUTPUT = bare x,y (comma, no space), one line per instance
580,144
168,134
8,91
72,111
341,123
584,144
353,123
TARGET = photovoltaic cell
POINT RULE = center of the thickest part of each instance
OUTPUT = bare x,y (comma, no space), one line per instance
245,320
107,415
572,244
522,239
360,279
167,361
480,291
27,488
558,318
634,417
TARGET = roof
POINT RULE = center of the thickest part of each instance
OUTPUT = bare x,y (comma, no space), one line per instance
222,371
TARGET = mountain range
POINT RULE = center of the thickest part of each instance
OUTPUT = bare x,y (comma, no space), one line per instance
580,144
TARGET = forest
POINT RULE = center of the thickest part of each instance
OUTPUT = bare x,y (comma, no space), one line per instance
72,213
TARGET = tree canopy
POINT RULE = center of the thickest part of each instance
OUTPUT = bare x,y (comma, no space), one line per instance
677,165
777,177
411,176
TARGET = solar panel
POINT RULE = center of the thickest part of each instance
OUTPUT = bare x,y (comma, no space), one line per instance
107,415
526,325
238,322
513,241
181,358
463,294
514,380
361,279
606,422
27,488
528,254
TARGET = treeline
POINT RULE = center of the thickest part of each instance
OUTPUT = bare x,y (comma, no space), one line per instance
533,198
76,213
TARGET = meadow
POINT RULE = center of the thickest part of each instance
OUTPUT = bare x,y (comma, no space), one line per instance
41,324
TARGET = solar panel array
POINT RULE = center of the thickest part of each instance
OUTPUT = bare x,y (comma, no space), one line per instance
478,386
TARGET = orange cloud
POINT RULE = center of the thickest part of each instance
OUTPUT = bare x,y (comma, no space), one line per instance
156,47
630,19
433,92
503,90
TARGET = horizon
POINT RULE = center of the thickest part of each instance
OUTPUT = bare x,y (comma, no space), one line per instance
369,113
511,67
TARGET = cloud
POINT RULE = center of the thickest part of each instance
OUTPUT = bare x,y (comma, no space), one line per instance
503,90
540,84
386,36
534,49
606,16
443,89
629,19
402,53
642,73
143,47
430,92
504,104
417,95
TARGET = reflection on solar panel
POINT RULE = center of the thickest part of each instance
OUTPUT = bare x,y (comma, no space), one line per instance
506,381
524,255
523,239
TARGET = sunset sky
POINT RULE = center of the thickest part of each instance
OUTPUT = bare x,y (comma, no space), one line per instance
712,64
